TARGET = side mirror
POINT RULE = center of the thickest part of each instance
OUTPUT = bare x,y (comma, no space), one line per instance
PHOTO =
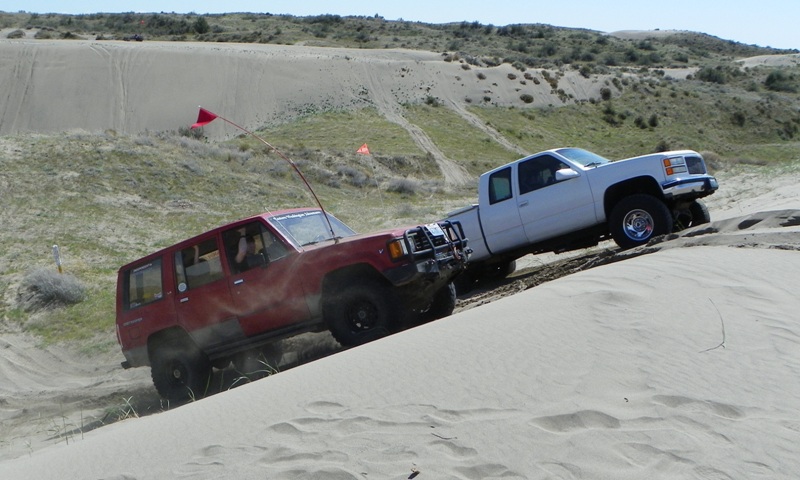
566,174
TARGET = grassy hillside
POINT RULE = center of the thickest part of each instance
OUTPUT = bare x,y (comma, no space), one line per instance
107,199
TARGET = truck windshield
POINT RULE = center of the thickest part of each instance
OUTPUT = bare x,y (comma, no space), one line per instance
309,227
583,157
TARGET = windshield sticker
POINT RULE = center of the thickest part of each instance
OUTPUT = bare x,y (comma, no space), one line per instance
297,215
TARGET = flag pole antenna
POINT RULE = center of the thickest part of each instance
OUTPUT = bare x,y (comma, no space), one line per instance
204,117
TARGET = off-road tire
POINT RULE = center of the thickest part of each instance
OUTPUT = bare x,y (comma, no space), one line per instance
442,305
637,219
179,371
700,215
360,313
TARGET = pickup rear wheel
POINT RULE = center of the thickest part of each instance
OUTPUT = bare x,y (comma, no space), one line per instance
638,218
179,371
360,313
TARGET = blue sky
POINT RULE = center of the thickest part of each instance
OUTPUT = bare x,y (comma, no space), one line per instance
774,23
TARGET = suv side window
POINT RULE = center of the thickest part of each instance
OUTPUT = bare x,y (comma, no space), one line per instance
143,285
252,245
538,173
198,265
500,186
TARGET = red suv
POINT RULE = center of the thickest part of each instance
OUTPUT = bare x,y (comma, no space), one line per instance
232,293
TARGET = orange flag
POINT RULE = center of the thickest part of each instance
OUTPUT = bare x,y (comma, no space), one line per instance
364,150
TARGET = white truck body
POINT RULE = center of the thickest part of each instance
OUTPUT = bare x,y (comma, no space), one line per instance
562,199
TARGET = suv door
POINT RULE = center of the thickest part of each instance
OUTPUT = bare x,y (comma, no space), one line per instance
145,305
265,279
204,304
549,207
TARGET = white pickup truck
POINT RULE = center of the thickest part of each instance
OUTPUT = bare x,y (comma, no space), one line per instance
568,198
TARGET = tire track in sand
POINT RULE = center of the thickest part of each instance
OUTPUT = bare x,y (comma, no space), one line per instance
454,174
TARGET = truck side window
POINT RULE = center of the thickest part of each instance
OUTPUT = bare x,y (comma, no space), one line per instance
538,173
198,265
252,245
143,285
500,186
273,247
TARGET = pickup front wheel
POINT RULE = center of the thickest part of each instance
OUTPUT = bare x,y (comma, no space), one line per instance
638,218
360,313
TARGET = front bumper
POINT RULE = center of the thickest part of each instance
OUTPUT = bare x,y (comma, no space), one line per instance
433,251
424,270
695,187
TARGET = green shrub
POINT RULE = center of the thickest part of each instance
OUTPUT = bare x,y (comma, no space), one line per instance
779,81
711,75
16,34
42,289
201,25
402,186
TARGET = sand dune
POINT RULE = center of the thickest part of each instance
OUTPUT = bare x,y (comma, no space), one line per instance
683,363
131,87
53,86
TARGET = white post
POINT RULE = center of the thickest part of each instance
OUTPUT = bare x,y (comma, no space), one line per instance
57,256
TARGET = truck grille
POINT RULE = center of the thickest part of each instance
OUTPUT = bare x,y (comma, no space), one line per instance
695,165
420,241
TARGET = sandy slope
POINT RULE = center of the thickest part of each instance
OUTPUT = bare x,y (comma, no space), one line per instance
130,87
679,364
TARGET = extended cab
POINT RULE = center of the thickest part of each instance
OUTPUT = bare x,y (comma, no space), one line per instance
568,198
231,293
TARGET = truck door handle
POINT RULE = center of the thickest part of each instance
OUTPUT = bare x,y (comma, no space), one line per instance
184,299
238,282
523,203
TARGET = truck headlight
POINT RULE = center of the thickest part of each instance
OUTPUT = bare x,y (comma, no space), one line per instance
674,165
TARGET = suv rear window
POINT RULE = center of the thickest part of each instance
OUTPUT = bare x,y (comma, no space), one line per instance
197,265
143,284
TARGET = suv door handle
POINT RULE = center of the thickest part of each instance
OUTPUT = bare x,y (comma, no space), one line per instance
238,282
523,203
184,299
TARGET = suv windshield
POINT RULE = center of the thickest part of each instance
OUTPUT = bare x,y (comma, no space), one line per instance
583,157
309,227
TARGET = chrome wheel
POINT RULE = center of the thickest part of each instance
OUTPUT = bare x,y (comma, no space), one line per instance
638,225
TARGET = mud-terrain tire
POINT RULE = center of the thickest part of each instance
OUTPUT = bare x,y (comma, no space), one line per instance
691,215
179,371
700,215
442,305
638,218
360,313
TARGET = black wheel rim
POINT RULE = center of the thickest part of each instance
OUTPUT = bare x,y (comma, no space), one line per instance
362,315
177,373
